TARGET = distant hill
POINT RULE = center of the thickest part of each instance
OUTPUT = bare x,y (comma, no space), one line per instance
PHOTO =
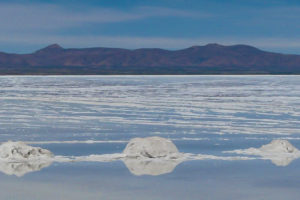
208,59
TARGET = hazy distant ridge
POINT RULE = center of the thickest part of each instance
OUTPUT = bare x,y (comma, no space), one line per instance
208,59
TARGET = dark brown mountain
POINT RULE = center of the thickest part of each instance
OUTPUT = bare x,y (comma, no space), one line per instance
209,59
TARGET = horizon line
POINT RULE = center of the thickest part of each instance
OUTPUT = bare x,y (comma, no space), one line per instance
58,46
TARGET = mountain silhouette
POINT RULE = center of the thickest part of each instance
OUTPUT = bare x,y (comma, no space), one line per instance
208,59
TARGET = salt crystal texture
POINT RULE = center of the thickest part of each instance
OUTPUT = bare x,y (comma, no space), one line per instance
151,156
151,147
20,152
279,146
280,152
17,158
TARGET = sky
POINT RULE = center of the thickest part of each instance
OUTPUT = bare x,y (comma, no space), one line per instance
28,25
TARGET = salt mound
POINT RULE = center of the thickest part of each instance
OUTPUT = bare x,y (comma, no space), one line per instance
280,152
151,147
20,152
279,146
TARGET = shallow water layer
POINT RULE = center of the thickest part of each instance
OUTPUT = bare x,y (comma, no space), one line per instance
84,115
189,180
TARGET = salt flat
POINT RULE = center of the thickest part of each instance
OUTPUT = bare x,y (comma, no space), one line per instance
219,123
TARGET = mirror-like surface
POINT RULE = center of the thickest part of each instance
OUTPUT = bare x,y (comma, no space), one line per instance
211,115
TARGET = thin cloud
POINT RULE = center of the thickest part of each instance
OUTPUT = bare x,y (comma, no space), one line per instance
37,17
28,26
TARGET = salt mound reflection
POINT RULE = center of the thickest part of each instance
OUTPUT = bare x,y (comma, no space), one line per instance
20,169
150,167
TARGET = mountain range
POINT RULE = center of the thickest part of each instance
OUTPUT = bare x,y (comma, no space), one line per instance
208,59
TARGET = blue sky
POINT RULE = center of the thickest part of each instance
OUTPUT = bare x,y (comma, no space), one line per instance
172,24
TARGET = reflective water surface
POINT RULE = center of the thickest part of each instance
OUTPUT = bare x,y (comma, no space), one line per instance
85,115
